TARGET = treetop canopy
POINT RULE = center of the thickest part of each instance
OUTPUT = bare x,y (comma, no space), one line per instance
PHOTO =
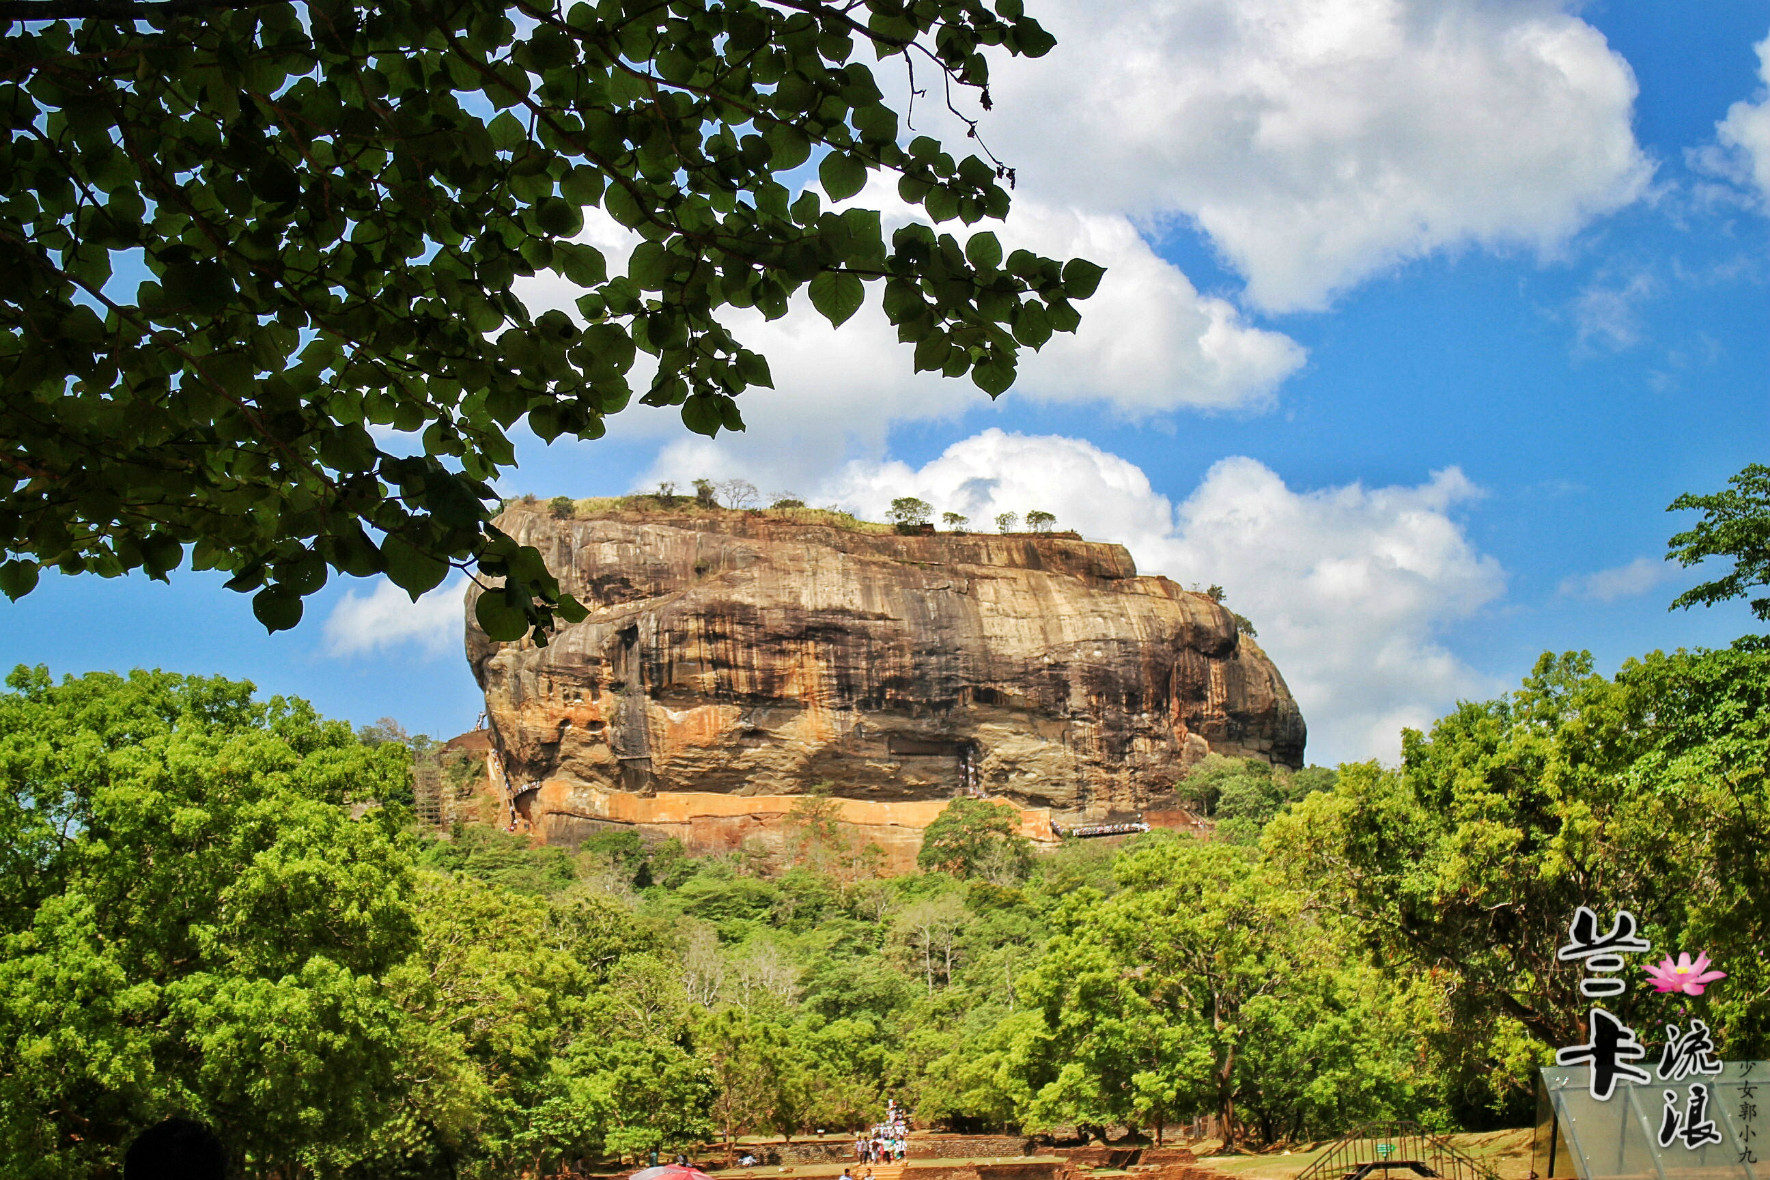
257,259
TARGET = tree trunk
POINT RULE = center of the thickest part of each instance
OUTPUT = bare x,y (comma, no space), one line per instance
730,1157
1226,1099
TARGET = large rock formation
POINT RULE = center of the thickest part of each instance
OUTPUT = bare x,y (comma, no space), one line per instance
733,661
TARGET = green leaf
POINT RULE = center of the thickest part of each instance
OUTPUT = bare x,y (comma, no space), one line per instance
571,610
1031,326
277,607
500,621
558,217
544,421
984,251
507,132
841,175
583,185
993,377
354,553
788,146
1023,264
838,295
729,416
701,414
902,300
1030,39
941,203
621,205
412,570
249,578
753,368
18,578
651,266
161,553
1063,317
583,265
302,574
1081,278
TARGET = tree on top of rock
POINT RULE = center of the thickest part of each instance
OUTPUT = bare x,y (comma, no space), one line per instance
243,244
907,512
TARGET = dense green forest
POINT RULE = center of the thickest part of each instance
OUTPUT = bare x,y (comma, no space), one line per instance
218,905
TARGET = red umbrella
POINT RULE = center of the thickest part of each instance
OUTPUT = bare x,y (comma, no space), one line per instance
670,1172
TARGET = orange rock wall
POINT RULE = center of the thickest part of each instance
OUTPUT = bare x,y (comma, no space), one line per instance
734,662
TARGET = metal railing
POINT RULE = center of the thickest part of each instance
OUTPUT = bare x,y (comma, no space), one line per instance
1404,1148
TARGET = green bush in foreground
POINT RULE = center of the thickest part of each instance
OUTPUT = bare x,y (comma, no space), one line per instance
195,924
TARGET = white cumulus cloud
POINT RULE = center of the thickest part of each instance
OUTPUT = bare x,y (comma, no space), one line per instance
1149,343
1349,586
1320,141
387,617
1315,142
1624,581
1746,131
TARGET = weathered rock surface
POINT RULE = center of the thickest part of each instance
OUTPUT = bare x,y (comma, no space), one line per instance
743,655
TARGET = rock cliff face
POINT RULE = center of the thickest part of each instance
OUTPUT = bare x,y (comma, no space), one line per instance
743,655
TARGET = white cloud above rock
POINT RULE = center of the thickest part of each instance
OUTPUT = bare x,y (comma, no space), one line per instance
386,618
1318,142
1150,343
1349,586
1314,144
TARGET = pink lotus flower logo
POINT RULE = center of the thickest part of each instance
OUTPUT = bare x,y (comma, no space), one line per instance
1683,976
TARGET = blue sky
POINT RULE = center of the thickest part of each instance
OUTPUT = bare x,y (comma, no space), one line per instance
1424,313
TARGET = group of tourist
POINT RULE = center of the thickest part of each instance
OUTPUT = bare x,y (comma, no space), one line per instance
885,1142
1098,830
